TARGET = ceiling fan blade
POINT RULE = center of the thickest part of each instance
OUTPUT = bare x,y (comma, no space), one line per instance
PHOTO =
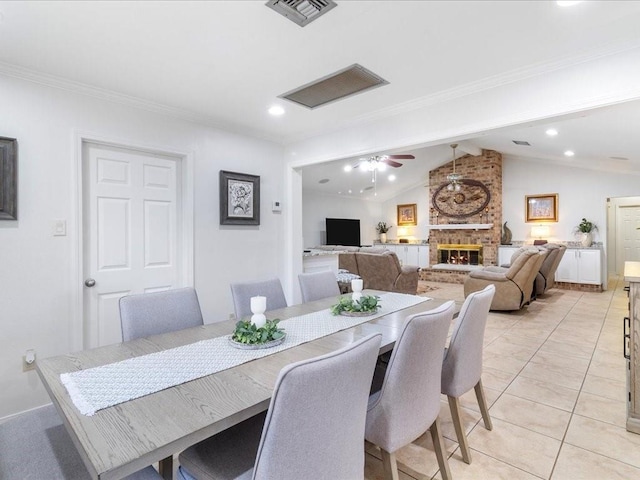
401,157
391,163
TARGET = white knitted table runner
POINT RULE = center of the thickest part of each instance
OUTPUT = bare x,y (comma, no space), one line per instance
100,387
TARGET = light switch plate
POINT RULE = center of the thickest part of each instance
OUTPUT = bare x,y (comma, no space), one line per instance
59,228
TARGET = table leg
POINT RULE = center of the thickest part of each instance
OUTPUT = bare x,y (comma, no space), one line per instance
165,468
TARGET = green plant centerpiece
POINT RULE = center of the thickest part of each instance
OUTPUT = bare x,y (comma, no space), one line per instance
366,305
248,335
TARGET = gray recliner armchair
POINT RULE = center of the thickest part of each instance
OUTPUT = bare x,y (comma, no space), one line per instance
545,279
514,285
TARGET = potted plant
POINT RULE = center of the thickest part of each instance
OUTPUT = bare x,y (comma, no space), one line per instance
585,228
382,229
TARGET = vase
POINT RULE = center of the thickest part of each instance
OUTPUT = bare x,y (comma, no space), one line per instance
587,239
383,238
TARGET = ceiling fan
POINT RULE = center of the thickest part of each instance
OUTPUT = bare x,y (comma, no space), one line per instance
378,162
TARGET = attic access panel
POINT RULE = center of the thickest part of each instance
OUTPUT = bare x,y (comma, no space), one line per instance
336,86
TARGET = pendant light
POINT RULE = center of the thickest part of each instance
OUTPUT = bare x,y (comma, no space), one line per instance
454,178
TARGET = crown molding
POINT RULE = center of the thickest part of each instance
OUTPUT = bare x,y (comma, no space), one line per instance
111,96
487,83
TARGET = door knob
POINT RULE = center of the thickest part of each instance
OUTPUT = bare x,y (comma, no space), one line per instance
89,282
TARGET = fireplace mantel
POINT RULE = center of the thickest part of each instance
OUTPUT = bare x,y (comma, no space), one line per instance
461,226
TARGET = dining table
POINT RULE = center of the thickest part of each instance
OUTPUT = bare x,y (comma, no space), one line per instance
121,439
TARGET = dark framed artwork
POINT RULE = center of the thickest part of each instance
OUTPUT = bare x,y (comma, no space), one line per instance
541,208
407,215
239,198
8,179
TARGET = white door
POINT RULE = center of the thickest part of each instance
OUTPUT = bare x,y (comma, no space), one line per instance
627,235
131,210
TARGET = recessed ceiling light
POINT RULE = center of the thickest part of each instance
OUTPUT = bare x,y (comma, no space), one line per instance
552,132
391,177
350,191
569,153
568,3
276,110
347,168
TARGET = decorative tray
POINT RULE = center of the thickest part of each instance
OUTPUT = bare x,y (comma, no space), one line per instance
358,314
256,346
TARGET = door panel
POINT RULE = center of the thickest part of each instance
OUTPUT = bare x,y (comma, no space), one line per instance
628,236
131,218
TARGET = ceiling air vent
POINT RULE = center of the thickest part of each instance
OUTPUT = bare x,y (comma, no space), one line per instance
301,12
521,142
342,84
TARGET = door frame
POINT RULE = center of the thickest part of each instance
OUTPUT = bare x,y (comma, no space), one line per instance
76,227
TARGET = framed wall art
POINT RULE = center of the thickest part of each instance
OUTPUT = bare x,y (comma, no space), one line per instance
8,178
239,198
541,208
407,215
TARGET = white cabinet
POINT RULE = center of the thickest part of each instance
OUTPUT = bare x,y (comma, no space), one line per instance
320,263
580,265
505,253
411,254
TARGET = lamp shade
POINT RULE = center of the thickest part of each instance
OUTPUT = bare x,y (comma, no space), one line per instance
540,231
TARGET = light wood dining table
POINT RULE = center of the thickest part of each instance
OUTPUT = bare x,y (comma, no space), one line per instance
127,437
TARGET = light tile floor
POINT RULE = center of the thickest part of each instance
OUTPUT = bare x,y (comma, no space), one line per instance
554,376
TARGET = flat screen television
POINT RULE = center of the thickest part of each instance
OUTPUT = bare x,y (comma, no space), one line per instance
343,231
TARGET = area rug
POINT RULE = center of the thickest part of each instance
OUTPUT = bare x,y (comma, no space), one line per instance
424,288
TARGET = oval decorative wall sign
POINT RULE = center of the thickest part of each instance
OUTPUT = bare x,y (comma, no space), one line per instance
471,200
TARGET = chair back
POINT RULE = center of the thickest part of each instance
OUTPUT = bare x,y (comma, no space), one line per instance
462,366
242,293
159,312
409,401
315,423
317,285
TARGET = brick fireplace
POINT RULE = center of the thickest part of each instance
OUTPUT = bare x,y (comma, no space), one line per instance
454,231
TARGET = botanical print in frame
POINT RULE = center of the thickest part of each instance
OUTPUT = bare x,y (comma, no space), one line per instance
541,208
239,198
407,215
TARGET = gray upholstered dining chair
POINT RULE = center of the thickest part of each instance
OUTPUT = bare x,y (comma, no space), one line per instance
242,293
317,285
35,445
409,400
462,366
154,313
314,428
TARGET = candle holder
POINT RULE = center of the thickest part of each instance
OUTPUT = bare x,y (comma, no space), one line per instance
258,307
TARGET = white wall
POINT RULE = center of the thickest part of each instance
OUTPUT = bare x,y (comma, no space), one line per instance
317,207
419,196
36,282
581,193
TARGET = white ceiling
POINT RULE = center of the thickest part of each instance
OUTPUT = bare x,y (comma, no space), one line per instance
224,63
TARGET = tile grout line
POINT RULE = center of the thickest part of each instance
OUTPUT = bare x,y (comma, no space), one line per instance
562,442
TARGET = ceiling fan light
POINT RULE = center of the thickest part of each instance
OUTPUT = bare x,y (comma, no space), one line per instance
457,187
450,187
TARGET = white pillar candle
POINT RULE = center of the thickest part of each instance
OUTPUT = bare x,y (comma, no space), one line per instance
356,285
258,304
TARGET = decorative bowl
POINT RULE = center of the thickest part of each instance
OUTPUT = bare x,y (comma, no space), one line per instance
256,346
359,314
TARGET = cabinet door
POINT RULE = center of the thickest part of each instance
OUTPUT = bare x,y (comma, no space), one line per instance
568,268
589,266
413,255
504,255
423,256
